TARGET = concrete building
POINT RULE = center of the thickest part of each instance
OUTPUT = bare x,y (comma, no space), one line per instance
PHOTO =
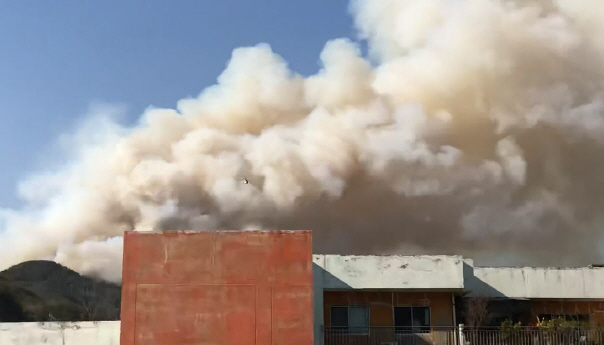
196,287
385,296
389,297
529,294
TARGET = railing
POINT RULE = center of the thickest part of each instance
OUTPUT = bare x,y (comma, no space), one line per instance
532,336
467,336
389,336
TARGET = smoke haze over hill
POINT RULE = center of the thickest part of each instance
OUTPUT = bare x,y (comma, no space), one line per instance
473,127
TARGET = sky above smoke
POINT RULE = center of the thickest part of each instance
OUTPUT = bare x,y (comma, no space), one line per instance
472,127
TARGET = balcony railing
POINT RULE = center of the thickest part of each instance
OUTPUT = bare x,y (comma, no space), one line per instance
389,336
534,336
468,336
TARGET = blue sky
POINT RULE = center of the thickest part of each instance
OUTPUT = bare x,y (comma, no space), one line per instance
59,57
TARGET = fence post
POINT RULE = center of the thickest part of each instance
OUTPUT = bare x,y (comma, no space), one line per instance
460,337
455,341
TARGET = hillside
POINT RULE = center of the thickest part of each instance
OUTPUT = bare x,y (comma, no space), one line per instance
46,291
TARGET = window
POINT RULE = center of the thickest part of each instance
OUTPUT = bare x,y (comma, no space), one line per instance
339,317
412,319
351,319
358,319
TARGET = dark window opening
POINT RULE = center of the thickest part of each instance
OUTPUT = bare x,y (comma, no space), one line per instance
339,317
351,319
412,319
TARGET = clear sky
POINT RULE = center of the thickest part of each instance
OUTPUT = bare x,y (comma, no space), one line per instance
59,57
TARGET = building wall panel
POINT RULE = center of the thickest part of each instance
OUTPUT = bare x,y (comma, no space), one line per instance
198,314
217,288
290,322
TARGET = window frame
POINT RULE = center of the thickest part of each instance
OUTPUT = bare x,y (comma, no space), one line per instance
412,329
347,329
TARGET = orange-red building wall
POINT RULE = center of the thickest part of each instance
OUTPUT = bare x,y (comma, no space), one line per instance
219,288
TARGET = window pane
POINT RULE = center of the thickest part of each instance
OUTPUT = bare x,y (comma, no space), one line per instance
358,319
339,316
421,319
402,319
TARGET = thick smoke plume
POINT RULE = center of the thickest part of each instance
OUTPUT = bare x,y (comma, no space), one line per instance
474,127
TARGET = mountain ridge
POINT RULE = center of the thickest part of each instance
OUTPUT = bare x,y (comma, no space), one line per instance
43,290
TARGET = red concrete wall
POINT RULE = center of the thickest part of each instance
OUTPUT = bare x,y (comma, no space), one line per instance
217,288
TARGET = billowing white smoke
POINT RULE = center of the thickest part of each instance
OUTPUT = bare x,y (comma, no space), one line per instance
475,127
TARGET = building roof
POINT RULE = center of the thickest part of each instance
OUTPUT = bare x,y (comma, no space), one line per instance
423,272
535,282
454,273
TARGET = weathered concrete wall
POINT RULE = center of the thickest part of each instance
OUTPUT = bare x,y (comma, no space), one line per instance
60,333
219,287
388,272
535,283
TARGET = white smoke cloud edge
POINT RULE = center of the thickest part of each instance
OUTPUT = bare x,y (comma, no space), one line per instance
477,128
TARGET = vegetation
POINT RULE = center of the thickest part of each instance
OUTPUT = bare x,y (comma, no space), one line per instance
476,311
47,291
560,323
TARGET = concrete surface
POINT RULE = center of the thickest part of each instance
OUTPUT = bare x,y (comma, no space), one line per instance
60,333
422,272
218,287
535,282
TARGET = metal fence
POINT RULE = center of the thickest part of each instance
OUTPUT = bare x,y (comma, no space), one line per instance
532,336
389,336
457,336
